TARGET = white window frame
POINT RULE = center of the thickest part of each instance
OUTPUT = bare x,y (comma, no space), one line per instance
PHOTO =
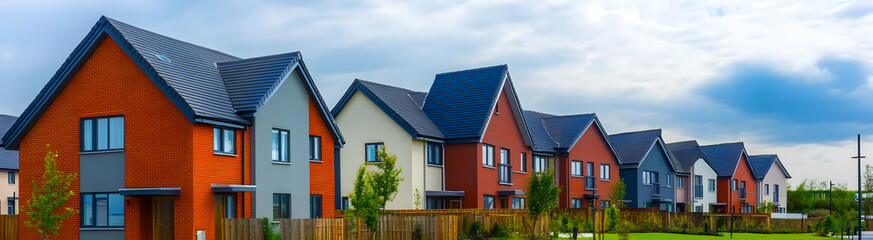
576,168
487,155
604,171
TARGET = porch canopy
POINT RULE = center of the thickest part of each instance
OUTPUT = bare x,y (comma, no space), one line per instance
444,193
509,192
229,188
159,191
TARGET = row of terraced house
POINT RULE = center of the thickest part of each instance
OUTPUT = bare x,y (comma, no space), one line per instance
133,113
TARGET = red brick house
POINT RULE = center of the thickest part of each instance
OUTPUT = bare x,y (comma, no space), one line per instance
134,113
736,179
587,164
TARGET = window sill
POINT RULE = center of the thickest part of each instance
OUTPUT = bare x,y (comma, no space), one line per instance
519,172
224,154
590,189
605,180
101,152
315,161
491,167
507,184
102,229
434,165
372,163
577,176
281,163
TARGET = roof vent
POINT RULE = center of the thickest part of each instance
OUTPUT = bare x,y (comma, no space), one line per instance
162,57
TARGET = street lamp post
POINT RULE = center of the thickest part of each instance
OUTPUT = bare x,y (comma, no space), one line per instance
859,157
830,196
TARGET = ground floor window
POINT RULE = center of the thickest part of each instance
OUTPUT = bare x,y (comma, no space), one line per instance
698,208
604,204
488,202
227,204
102,210
10,209
576,203
518,203
281,205
345,203
315,206
436,203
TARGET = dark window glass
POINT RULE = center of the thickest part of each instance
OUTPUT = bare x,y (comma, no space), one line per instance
223,140
281,206
371,151
436,203
281,144
434,153
488,202
12,177
102,210
315,148
315,206
102,134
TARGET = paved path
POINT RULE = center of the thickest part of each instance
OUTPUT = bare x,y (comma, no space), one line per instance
866,235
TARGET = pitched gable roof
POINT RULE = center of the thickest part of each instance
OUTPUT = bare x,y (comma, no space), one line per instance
761,165
187,74
8,158
686,153
248,81
460,103
724,157
633,147
542,141
402,105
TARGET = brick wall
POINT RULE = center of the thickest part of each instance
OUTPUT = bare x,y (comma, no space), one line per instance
321,174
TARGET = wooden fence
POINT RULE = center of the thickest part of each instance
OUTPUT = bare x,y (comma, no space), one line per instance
241,228
449,223
9,226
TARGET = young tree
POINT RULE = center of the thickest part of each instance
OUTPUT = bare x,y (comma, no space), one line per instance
373,190
44,208
542,197
617,192
385,181
363,201
766,207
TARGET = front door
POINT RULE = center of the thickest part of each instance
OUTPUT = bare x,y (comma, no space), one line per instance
225,207
162,218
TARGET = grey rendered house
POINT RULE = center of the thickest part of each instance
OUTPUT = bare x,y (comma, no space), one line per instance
772,181
648,169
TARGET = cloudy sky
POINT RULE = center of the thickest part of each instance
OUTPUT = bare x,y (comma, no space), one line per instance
787,77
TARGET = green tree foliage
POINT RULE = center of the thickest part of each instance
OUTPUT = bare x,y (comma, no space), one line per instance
766,207
542,197
45,207
373,190
363,200
617,192
385,181
867,204
417,197
813,194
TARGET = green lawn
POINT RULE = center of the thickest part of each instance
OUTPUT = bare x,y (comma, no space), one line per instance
737,236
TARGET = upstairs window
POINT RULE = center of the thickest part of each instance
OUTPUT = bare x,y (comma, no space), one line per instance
12,177
733,184
102,134
766,189
589,171
281,144
576,168
680,182
669,180
487,155
371,152
540,163
522,165
712,185
604,171
315,148
223,140
434,153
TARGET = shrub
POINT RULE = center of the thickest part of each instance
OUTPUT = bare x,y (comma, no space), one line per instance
622,228
499,231
267,229
826,226
612,217
417,232
818,213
